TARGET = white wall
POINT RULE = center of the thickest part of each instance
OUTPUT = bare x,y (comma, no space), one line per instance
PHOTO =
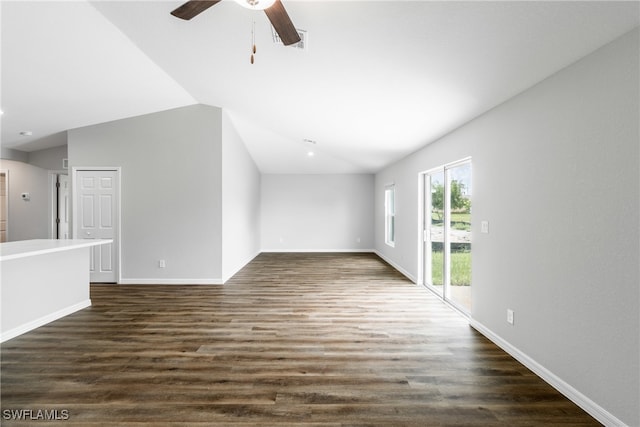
171,190
50,158
317,212
26,219
12,154
240,202
556,172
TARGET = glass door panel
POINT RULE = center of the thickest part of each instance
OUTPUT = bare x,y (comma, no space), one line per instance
458,242
435,242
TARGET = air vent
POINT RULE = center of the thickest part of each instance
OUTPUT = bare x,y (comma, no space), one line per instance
303,44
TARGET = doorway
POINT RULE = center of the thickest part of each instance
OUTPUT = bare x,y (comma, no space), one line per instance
4,206
446,233
59,205
62,208
96,215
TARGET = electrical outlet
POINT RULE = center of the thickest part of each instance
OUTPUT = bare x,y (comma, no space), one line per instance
484,227
509,316
162,264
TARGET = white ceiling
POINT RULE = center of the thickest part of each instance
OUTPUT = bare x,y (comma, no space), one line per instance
379,80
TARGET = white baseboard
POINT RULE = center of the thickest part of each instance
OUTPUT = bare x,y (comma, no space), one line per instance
397,267
157,281
12,333
280,250
588,405
223,280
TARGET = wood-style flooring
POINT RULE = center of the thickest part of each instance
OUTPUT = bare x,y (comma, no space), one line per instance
291,340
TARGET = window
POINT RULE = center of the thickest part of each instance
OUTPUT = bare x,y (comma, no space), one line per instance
390,215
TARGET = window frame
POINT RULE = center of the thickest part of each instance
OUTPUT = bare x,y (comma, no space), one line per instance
390,215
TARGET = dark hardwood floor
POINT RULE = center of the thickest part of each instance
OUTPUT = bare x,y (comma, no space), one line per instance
293,339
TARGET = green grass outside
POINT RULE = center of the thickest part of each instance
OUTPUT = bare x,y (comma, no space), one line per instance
460,268
459,220
461,217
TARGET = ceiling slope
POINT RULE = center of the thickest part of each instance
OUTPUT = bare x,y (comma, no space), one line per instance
378,80
65,66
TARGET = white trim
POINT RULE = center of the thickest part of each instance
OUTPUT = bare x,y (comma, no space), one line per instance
7,201
397,267
422,228
52,176
156,281
390,215
280,250
588,405
447,165
12,333
72,226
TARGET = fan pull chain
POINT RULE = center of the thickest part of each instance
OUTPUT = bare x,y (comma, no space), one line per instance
253,41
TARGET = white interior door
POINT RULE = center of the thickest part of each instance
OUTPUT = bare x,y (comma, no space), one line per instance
97,201
63,207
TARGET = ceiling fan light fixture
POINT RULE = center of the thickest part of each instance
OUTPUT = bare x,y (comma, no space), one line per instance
256,4
274,10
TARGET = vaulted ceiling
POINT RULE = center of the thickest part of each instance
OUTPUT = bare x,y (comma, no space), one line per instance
377,80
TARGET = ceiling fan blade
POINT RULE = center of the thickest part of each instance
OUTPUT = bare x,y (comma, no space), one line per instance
282,23
193,8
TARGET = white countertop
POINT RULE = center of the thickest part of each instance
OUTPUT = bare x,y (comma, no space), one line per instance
27,248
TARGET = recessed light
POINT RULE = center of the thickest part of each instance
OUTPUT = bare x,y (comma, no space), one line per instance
26,133
310,154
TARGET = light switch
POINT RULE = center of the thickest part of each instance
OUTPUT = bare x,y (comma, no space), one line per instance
484,227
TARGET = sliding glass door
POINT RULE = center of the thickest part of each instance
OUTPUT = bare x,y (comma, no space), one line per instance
447,233
434,232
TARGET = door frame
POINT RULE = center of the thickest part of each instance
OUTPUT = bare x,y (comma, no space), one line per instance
5,172
53,196
422,232
74,209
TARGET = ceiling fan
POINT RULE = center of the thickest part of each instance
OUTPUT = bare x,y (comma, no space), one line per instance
273,8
